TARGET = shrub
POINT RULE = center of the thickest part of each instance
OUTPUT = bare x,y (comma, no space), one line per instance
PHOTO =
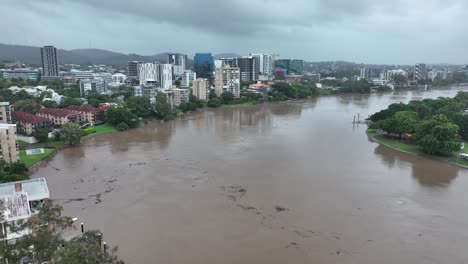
88,131
122,126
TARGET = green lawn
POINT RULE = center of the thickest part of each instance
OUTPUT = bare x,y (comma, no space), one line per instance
100,130
417,150
399,144
30,160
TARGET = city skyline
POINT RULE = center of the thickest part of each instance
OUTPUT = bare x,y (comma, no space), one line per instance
395,32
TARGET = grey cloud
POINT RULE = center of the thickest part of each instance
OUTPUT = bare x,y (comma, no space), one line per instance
364,30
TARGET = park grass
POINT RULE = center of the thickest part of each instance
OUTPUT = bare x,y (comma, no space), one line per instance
399,144
30,160
414,149
101,130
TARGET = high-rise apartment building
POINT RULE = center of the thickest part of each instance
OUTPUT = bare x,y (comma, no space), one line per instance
204,65
293,67
367,73
249,68
165,76
227,79
154,71
5,113
178,60
49,62
201,89
187,78
148,71
9,151
265,63
132,70
420,71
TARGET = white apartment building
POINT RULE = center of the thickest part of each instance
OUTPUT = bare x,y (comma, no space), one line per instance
82,75
119,78
165,76
227,79
148,71
266,63
187,78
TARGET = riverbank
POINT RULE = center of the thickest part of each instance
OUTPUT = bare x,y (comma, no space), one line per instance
416,150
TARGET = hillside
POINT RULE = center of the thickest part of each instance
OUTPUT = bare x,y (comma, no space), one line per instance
32,55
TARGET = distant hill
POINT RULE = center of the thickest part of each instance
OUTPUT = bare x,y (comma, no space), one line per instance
32,55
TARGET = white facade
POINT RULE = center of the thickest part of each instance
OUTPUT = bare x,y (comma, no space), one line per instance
82,75
165,76
227,79
187,78
148,71
388,75
119,78
177,70
266,63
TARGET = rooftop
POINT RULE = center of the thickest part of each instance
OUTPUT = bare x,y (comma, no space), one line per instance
16,206
28,118
56,112
84,108
35,188
4,103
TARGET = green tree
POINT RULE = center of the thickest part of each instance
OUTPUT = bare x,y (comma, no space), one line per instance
28,105
400,79
227,97
71,133
95,98
46,243
86,249
41,134
215,102
140,106
50,104
438,135
163,109
117,115
405,122
67,101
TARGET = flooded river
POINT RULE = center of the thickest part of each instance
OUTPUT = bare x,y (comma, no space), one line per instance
276,183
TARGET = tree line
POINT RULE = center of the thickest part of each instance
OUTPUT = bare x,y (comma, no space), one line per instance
436,125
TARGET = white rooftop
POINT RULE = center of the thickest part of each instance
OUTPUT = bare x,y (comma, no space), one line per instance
35,188
16,206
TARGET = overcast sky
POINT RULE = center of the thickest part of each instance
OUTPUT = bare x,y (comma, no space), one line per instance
368,31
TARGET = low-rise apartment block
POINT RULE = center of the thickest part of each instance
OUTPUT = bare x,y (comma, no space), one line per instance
27,123
58,117
91,114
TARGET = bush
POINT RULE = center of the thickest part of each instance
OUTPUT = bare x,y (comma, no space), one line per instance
88,131
41,135
215,102
122,126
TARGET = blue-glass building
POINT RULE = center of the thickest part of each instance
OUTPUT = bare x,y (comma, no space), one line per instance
204,65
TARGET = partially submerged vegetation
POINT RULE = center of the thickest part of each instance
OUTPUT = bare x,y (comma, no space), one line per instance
435,127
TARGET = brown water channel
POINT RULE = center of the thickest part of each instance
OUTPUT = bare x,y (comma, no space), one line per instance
276,183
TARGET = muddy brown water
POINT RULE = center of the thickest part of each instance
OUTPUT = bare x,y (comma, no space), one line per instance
277,183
